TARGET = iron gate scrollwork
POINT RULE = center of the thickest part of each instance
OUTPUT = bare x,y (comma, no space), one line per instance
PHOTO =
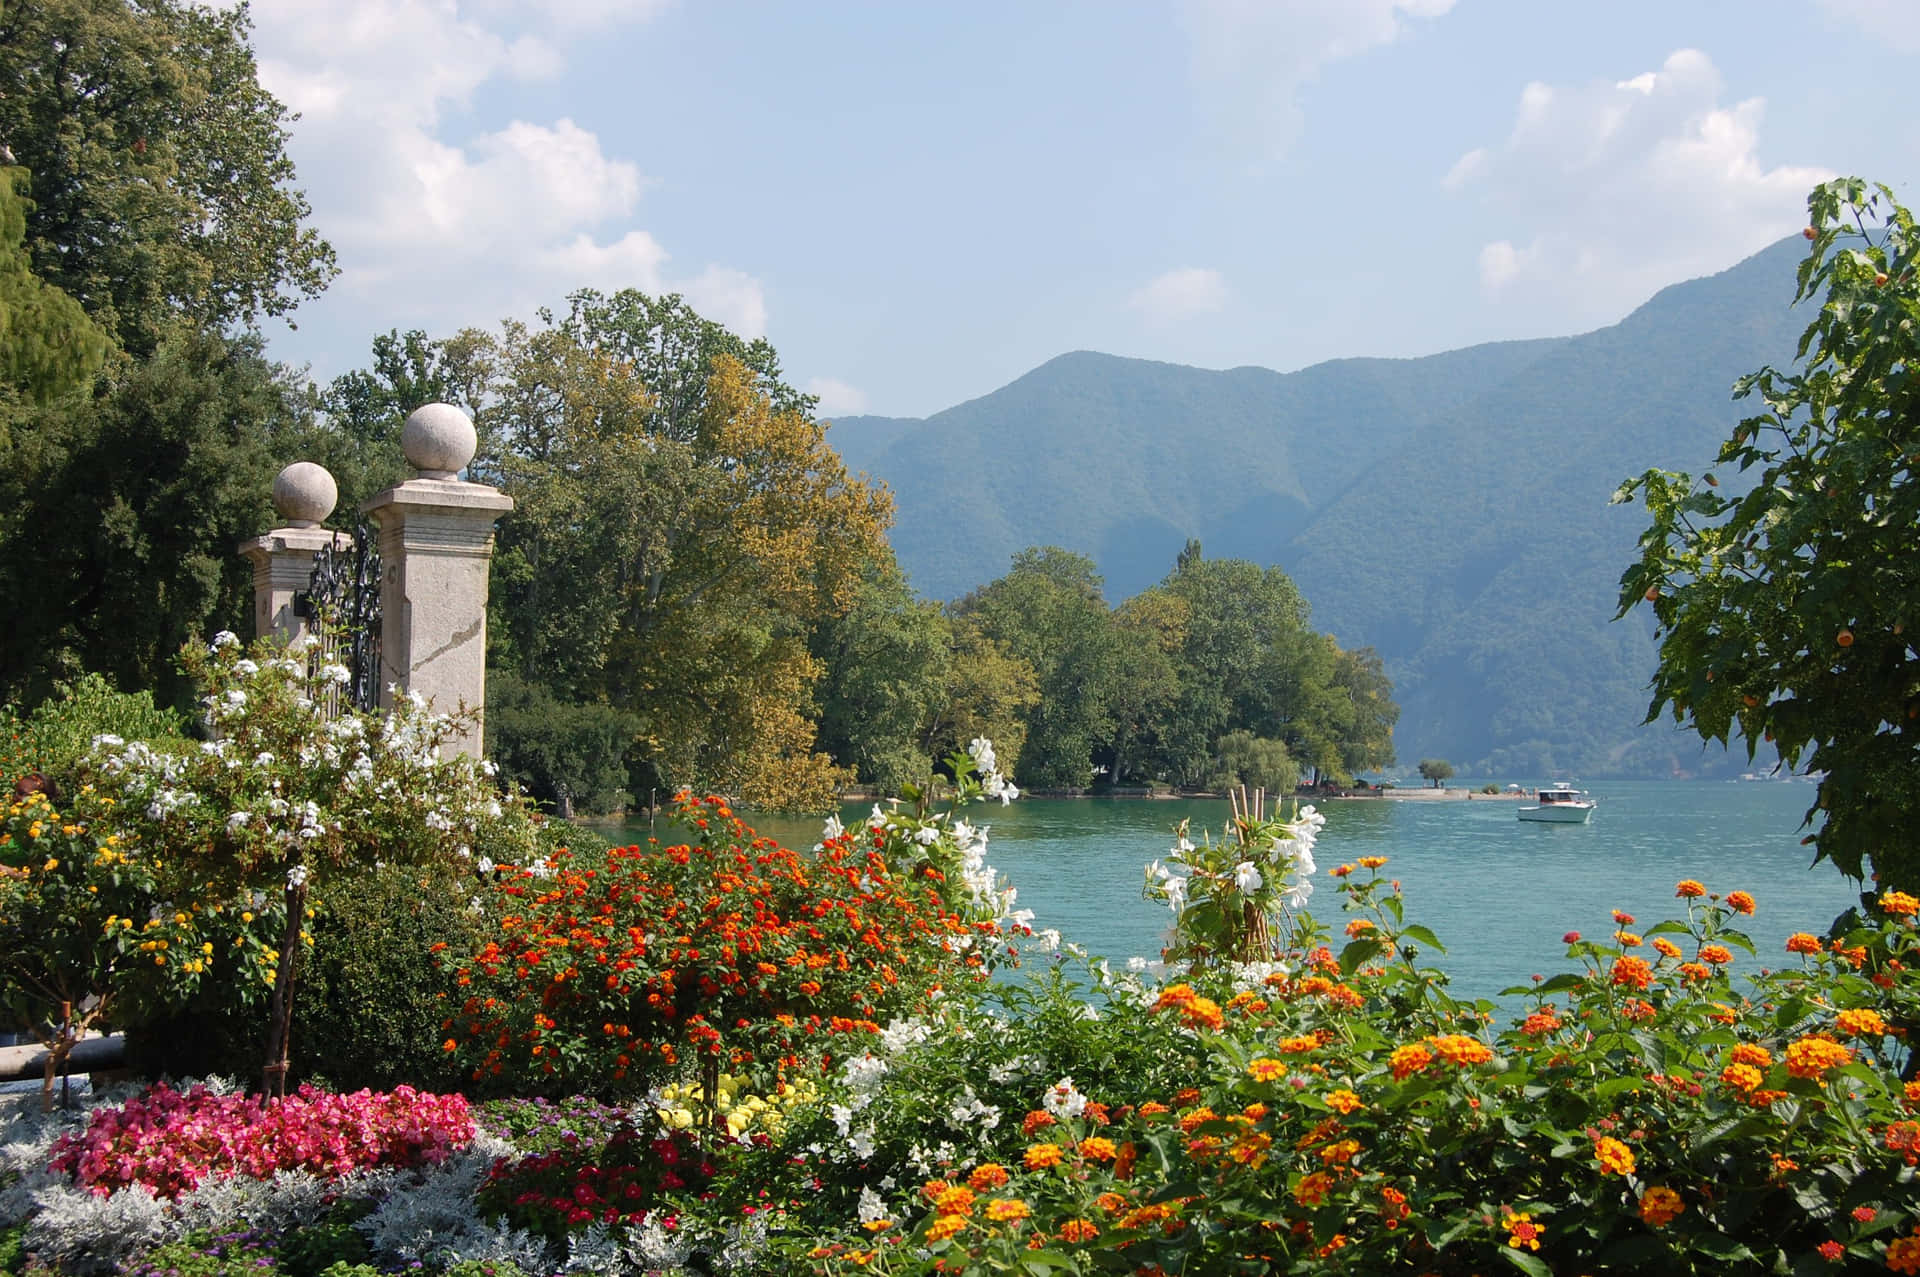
343,599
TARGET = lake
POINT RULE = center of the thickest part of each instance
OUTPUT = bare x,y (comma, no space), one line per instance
1498,891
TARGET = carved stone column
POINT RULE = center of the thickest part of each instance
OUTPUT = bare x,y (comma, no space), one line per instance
282,559
436,541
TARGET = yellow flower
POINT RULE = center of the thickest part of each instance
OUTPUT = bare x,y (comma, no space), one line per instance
1342,1101
1266,1070
1614,1157
1006,1209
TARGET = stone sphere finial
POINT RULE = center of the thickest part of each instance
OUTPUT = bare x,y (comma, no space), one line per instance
304,494
438,440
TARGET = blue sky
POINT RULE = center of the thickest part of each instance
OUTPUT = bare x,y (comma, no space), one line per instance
918,202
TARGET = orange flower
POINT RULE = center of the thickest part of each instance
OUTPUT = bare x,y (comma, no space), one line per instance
1313,1189
1621,918
1861,1022
1718,954
1005,1210
1627,940
1110,1202
1040,1156
1903,1254
1665,947
1812,1056
953,1199
1460,1050
1899,905
1359,927
1632,973
1695,971
1203,1013
1409,1059
1540,1023
1804,942
987,1175
1688,889
1297,1046
1372,862
1614,1157
1078,1230
1098,1148
1342,1101
1660,1206
944,1227
1265,1070
1751,1053
1740,902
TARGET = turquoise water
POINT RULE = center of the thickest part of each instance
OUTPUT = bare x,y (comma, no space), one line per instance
1498,891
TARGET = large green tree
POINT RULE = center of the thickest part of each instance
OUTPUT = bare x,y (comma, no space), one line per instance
161,189
119,515
670,558
1785,602
48,346
1048,611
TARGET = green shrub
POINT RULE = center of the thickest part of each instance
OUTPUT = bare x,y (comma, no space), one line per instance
11,1254
56,735
371,1006
556,750
470,1268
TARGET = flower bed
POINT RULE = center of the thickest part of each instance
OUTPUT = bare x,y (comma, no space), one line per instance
168,1141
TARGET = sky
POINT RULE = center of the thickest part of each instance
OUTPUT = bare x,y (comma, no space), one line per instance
917,203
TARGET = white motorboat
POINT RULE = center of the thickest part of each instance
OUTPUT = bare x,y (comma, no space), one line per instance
1561,806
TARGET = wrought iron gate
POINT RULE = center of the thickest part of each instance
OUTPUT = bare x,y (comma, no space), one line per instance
343,601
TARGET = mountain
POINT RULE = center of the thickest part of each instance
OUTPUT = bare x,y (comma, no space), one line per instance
1450,511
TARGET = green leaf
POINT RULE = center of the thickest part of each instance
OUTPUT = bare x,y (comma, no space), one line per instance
1414,931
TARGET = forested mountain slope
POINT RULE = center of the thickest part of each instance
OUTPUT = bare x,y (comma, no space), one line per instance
1450,511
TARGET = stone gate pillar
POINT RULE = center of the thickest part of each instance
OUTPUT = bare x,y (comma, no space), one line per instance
304,494
436,540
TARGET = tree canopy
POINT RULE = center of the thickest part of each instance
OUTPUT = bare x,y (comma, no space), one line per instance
1785,600
161,187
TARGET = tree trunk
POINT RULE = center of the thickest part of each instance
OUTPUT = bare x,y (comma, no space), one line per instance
280,1029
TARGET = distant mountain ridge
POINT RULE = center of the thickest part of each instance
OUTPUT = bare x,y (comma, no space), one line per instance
1450,510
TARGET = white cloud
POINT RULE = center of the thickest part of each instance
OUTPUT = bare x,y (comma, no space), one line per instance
1616,188
437,228
1181,294
837,398
1251,57
1889,21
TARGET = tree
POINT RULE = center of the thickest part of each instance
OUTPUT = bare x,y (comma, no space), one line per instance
669,558
161,187
1436,770
1048,611
1241,758
119,515
1785,611
48,346
885,666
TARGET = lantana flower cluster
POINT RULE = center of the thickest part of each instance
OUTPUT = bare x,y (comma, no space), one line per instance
726,948
168,1141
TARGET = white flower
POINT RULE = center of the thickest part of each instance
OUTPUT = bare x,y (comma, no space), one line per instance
263,759
245,667
1047,941
225,638
1176,889
335,674
981,750
297,876
483,865
236,698
997,786
1297,893
872,1206
1246,876
832,829
1062,1100
238,820
878,820
927,836
1182,847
